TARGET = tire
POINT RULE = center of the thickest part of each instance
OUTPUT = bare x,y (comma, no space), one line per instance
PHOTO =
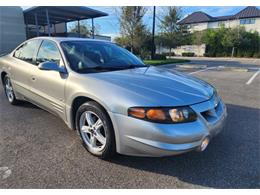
9,92
93,125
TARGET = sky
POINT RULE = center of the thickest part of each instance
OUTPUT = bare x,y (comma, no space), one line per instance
110,26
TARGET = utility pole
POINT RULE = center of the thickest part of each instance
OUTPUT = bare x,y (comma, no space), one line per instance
153,43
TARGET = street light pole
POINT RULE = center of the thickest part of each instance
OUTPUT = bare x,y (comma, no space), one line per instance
48,22
153,32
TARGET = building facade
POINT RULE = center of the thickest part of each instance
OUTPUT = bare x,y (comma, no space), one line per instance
198,21
12,28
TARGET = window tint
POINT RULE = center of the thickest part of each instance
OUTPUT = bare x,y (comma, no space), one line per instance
26,51
85,55
49,52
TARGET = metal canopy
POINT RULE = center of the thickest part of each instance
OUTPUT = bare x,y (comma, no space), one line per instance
59,14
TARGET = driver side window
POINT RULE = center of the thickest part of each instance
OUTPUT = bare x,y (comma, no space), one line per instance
49,52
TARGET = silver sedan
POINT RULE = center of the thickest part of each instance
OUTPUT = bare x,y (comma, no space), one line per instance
114,101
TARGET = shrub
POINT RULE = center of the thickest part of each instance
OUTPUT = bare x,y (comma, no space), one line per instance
219,55
240,54
248,54
256,55
220,42
206,55
169,54
159,57
188,54
145,54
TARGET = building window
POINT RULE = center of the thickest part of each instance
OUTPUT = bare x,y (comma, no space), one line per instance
247,21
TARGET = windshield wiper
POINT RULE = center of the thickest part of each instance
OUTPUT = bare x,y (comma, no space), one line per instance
104,68
135,66
101,68
116,67
98,68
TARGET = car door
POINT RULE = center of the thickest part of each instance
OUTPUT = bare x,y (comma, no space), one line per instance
48,87
21,66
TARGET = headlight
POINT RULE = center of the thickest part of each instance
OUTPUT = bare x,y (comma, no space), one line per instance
163,115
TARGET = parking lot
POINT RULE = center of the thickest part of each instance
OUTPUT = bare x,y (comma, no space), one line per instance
37,150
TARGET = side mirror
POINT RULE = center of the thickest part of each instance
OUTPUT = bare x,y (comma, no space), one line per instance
51,66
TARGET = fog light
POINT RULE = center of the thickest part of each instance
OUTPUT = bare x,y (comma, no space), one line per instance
204,144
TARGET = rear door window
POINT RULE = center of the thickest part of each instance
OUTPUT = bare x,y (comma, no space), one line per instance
27,51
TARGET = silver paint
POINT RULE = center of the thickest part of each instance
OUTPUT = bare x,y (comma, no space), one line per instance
116,91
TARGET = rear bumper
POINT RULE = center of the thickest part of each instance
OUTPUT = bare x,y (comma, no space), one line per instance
141,138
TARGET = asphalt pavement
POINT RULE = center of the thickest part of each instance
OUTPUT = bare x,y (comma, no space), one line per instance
37,150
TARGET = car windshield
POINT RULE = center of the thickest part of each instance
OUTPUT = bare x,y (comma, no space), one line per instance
96,56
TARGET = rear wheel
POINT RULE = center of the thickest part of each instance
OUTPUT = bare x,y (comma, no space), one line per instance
96,130
9,91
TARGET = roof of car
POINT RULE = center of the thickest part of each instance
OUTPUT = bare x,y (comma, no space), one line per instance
61,39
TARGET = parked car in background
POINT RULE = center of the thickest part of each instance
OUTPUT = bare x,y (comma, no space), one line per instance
115,101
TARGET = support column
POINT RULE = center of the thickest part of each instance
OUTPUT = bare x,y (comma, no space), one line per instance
93,28
27,31
54,26
79,28
66,33
48,23
36,23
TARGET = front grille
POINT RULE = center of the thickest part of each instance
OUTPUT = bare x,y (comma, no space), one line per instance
212,114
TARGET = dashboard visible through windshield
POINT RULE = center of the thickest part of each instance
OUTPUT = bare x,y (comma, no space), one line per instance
97,56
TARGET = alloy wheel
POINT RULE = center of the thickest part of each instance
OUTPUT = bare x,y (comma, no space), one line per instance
92,131
9,90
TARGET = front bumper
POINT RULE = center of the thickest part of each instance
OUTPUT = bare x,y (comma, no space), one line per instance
141,138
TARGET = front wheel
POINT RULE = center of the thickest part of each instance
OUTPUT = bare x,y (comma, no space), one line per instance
96,130
9,92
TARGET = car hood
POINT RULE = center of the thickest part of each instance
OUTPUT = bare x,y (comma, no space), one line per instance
160,86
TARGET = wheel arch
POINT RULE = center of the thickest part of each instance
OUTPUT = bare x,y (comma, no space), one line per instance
77,102
3,74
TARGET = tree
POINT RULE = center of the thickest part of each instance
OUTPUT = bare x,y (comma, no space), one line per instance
228,42
132,28
170,19
212,38
170,35
197,37
85,29
232,39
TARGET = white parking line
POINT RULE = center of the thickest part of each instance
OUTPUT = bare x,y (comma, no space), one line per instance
253,77
202,70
